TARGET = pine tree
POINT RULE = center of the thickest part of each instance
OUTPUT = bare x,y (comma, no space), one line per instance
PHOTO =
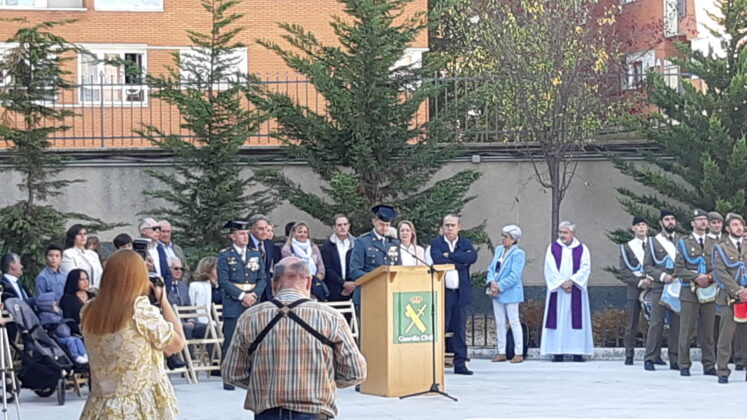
698,128
34,73
366,146
208,188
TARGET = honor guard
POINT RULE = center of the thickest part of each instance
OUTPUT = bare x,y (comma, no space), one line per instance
374,248
242,276
692,267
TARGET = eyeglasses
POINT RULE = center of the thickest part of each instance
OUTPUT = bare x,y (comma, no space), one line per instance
154,227
177,268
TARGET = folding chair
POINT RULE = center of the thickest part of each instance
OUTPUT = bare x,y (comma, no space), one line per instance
202,354
347,309
217,314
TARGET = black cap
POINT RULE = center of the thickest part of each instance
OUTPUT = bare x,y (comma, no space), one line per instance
700,213
639,219
384,213
236,225
664,213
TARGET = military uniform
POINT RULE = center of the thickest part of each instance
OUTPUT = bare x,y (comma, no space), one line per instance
631,273
654,264
370,252
726,261
693,259
238,274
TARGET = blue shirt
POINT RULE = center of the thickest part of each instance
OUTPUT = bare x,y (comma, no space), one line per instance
51,281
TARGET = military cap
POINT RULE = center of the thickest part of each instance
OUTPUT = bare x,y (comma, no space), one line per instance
714,215
236,225
733,216
664,213
384,213
639,219
699,213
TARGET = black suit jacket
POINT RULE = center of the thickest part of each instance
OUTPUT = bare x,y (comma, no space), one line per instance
333,271
10,292
272,256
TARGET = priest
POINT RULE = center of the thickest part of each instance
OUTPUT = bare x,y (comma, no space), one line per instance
567,321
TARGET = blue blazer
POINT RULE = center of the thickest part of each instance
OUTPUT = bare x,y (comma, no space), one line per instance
163,262
509,275
463,257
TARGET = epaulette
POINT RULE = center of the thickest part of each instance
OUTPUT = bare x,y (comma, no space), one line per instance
225,250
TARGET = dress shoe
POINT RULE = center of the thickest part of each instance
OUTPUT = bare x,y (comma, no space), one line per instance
659,361
685,372
358,388
674,366
648,365
578,358
499,358
462,370
173,362
710,372
517,359
557,358
738,367
214,373
628,361
228,387
723,379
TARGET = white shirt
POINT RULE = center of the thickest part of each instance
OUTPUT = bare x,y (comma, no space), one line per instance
669,246
241,251
343,245
699,238
14,281
201,294
85,259
406,253
169,249
734,241
451,278
153,253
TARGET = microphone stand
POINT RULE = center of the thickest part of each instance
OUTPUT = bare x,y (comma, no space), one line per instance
434,389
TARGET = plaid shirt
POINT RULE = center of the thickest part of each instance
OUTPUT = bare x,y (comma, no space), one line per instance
291,368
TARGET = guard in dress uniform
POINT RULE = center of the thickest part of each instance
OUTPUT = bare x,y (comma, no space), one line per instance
633,275
242,276
374,248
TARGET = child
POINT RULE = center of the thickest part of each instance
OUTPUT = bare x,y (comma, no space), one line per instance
50,313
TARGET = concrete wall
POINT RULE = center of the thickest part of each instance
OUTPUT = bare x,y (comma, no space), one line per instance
506,193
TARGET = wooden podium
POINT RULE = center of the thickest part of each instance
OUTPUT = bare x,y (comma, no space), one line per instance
397,332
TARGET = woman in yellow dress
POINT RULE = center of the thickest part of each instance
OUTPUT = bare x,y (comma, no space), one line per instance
126,338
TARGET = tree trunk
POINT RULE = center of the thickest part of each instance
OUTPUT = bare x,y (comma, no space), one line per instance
555,197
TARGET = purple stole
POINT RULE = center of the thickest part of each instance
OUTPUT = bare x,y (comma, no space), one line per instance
576,310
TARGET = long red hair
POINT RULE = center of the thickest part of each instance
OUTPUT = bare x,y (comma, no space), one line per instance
125,278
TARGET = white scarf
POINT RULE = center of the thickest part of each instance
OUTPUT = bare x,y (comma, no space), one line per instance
303,250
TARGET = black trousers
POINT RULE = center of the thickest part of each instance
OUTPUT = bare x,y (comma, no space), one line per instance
456,322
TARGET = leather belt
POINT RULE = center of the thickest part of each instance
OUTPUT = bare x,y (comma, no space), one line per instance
245,287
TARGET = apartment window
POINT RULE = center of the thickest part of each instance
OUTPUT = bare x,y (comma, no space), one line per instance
195,63
114,78
130,5
49,94
42,4
637,75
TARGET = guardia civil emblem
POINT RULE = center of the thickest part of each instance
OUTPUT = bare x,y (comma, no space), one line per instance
413,322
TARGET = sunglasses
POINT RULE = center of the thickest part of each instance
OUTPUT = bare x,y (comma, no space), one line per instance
177,268
154,228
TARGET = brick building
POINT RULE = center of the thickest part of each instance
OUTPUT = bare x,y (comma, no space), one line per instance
146,32
650,28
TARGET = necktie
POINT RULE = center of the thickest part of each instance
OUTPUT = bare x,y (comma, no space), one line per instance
700,241
262,250
739,247
643,245
671,238
243,255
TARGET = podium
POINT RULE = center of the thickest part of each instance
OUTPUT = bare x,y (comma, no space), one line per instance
397,332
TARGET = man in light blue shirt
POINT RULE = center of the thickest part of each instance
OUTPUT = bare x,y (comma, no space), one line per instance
52,278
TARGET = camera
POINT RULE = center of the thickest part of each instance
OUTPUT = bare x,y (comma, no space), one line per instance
156,281
141,247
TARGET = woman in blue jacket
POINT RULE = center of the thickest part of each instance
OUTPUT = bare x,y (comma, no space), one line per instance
504,285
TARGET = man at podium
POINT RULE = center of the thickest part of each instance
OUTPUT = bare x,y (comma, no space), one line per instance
374,249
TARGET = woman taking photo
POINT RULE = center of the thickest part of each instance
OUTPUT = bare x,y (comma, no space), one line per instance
77,256
126,338
409,247
504,285
75,295
299,245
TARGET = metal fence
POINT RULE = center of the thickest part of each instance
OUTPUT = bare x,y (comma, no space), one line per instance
109,114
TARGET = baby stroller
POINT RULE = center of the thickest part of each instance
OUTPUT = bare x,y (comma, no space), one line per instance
44,364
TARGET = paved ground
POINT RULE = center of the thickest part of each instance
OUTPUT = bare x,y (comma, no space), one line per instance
533,389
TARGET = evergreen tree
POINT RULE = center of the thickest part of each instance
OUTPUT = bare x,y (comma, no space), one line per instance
208,188
365,146
34,73
698,128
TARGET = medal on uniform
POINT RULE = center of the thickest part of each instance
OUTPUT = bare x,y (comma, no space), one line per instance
253,264
231,260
